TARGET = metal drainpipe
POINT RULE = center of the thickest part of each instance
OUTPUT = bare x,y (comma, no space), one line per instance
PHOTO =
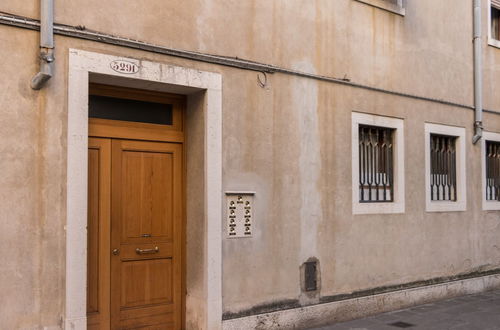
46,44
478,74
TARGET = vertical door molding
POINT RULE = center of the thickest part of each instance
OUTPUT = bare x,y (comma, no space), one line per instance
98,232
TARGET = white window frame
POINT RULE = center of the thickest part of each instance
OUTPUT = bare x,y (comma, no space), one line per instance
446,206
494,137
398,205
382,4
491,41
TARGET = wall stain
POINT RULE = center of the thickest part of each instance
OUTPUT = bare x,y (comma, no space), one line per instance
294,303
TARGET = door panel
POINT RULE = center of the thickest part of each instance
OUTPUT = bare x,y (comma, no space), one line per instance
146,228
98,233
93,232
146,283
147,195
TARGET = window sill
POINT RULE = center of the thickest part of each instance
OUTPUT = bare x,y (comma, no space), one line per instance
493,42
491,206
378,208
445,206
385,6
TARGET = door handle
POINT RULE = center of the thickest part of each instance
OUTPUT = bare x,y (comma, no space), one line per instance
147,251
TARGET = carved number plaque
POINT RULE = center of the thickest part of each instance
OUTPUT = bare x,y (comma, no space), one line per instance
124,67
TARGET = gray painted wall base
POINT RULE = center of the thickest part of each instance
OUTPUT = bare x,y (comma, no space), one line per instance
322,314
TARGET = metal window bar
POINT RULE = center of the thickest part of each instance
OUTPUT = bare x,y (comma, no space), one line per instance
376,164
492,171
443,168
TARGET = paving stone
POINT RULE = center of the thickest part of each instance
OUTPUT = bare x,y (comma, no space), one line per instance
473,312
387,318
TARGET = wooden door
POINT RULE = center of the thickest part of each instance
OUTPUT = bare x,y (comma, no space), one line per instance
135,217
135,209
146,222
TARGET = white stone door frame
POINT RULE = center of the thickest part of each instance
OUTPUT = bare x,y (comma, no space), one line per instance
84,64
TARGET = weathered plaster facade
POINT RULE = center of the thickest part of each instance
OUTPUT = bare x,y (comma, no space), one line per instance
289,141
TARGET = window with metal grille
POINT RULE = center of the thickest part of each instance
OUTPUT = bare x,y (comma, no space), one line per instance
492,171
443,178
495,19
376,164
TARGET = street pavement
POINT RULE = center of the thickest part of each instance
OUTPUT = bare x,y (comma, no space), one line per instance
473,312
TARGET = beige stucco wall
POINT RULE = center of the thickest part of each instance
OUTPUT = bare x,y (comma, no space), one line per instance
289,142
334,38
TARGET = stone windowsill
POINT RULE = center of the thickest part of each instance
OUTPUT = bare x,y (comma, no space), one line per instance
400,10
494,42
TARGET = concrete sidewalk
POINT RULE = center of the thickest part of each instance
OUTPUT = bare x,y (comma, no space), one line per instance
474,312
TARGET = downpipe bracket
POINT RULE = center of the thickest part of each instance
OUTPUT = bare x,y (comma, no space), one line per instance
47,57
